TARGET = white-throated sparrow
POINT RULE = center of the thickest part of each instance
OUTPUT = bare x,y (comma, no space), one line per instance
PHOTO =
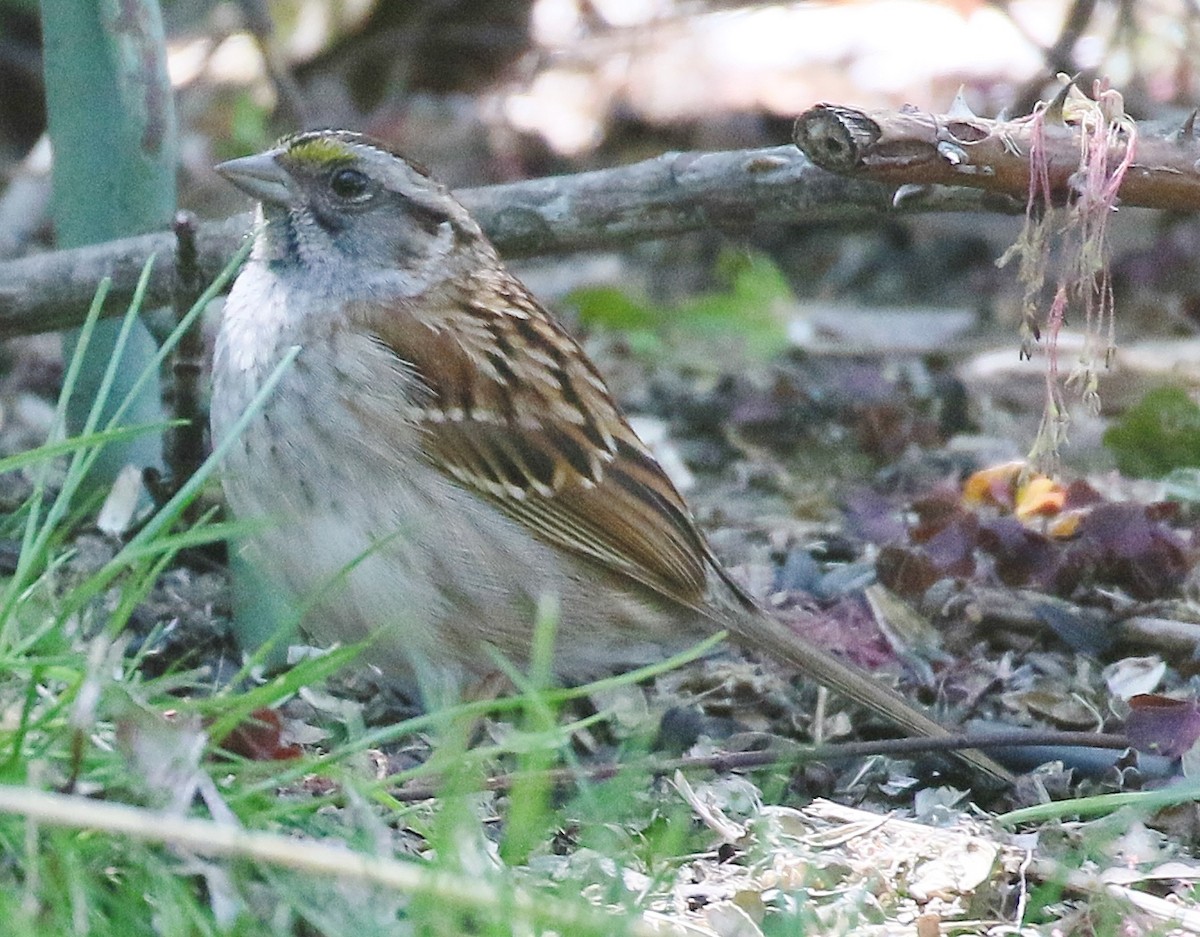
447,448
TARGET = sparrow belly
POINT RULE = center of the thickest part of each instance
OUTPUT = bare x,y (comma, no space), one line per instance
374,542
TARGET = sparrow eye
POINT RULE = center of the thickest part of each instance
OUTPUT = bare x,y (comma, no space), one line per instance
349,183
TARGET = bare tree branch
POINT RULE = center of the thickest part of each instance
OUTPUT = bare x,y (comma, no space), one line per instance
672,194
914,147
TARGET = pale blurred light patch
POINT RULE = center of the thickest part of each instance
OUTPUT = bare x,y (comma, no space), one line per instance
1089,51
566,107
315,21
186,60
625,13
913,43
997,44
779,36
558,22
780,58
555,22
237,60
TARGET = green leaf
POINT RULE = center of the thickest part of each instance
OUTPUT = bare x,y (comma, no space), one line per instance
752,308
608,308
249,128
748,314
1159,434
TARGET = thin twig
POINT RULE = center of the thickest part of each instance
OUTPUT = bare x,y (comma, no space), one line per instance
185,443
725,762
309,856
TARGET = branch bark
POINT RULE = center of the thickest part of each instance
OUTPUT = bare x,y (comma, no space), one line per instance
913,147
671,194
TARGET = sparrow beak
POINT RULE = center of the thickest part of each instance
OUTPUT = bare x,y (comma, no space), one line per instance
261,177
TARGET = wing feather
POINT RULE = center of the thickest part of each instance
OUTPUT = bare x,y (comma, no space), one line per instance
515,412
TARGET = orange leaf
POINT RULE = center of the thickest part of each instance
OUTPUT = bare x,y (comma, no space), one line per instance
260,738
996,485
1040,497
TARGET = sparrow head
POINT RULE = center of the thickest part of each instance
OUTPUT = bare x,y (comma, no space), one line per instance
336,197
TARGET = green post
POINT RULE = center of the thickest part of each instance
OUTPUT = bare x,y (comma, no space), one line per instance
112,127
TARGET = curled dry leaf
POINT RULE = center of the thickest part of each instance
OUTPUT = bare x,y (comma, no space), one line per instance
1134,676
1163,725
261,738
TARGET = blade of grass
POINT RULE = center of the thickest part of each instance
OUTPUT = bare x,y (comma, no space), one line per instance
174,507
234,708
40,530
53,450
26,559
172,340
169,512
554,697
1149,801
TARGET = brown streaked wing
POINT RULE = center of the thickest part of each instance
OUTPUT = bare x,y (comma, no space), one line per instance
517,413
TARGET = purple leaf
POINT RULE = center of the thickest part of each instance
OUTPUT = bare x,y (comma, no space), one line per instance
1161,725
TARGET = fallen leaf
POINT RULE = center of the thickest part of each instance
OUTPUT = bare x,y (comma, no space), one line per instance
1162,725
